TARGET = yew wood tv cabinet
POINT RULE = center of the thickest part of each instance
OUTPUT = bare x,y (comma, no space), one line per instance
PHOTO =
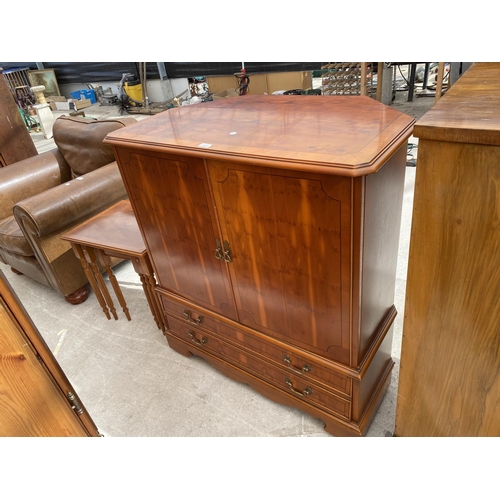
272,224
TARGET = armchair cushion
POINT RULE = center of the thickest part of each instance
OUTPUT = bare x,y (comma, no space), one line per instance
29,177
12,239
80,141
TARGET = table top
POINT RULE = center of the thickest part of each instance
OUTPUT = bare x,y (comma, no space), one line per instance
346,135
114,229
467,113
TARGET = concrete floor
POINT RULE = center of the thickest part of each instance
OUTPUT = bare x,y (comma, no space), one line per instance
133,384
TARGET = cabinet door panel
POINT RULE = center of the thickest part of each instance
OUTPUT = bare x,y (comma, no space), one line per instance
290,238
171,199
31,404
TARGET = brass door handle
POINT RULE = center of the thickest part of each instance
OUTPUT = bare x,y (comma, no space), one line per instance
227,252
304,393
306,368
197,342
187,315
223,254
218,250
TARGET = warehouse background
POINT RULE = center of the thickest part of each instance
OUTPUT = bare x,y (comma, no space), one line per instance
81,72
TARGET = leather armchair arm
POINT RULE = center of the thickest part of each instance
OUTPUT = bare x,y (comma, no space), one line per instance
65,206
45,217
29,177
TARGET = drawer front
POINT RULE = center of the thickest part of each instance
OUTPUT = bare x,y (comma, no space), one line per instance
302,389
294,362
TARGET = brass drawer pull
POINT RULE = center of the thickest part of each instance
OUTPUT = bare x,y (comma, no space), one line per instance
304,393
197,342
306,368
187,315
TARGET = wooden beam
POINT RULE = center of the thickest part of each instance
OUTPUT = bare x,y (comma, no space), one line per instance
364,72
439,82
380,74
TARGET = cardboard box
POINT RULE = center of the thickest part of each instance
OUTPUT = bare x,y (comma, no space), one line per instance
52,99
63,106
73,104
83,103
264,83
225,94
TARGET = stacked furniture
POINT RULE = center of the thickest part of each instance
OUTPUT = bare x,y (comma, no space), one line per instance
15,140
272,224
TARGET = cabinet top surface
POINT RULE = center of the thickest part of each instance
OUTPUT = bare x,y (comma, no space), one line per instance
344,133
469,111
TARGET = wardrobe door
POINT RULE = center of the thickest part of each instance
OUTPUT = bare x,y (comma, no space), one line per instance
36,398
289,237
171,199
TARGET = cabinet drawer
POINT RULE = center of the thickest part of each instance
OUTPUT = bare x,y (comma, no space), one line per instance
280,378
294,361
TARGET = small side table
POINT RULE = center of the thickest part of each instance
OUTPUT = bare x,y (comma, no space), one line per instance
114,233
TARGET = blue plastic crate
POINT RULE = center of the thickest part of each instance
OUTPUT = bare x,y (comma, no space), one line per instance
84,94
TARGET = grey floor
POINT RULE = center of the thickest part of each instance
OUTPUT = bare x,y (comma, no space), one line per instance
133,384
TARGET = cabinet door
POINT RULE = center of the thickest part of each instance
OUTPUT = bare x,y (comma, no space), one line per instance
34,391
171,198
289,234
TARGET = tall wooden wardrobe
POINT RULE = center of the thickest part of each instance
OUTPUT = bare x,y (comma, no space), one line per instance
449,382
36,398
272,223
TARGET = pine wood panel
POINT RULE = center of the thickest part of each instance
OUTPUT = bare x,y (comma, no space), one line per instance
450,369
30,402
450,361
468,112
29,376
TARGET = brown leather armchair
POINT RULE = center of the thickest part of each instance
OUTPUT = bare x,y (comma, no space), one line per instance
44,196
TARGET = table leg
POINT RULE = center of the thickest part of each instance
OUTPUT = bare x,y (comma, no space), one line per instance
79,252
145,271
411,85
148,285
100,280
114,283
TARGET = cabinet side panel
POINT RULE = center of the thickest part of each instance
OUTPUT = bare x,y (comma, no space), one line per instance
381,227
172,203
450,371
